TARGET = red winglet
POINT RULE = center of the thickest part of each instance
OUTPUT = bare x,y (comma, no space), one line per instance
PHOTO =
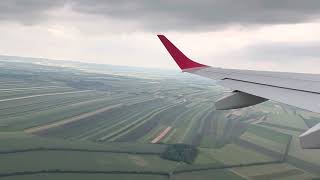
182,60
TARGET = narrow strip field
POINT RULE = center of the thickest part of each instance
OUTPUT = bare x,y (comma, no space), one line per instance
161,135
39,95
29,88
70,120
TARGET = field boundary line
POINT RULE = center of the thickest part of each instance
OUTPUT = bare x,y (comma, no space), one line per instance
77,150
215,167
60,171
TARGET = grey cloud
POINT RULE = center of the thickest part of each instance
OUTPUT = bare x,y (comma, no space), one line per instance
283,51
27,11
174,14
203,14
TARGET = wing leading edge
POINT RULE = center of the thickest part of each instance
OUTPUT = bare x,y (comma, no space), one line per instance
253,87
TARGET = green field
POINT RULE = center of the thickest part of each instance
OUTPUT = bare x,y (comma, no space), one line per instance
88,122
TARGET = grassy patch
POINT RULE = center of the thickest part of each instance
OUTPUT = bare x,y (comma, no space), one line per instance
208,175
233,154
269,134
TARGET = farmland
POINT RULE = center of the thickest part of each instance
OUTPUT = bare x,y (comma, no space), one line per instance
87,121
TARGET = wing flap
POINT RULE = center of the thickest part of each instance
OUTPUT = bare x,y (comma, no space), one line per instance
301,99
310,138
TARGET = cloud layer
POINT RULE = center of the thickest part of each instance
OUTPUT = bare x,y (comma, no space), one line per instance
184,15
28,12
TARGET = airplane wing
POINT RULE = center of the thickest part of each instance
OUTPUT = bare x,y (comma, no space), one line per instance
253,87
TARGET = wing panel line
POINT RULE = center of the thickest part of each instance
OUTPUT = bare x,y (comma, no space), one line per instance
313,92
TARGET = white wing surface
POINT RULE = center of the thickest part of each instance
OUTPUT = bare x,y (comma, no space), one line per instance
253,87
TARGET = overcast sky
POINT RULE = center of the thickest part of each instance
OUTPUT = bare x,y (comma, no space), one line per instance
279,35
